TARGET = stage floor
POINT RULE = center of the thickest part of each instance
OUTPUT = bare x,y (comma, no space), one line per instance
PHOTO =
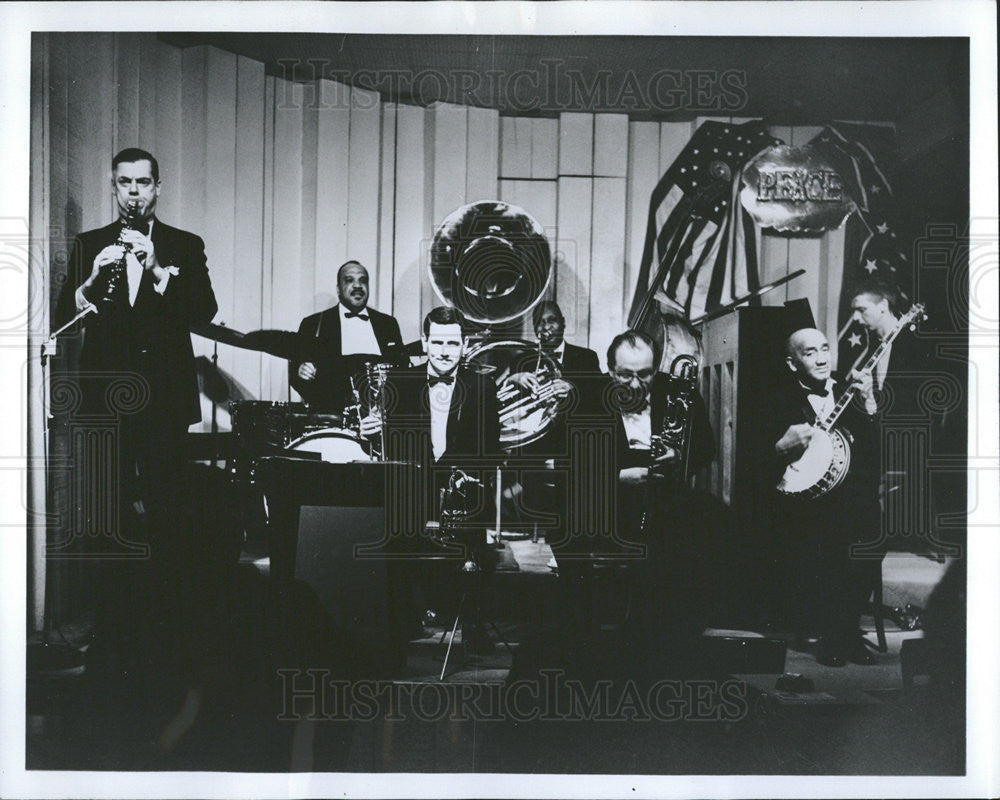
484,718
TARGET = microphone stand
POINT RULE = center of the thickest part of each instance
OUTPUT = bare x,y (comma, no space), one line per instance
215,405
49,345
48,657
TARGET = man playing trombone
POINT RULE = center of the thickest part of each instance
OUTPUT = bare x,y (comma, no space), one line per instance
660,437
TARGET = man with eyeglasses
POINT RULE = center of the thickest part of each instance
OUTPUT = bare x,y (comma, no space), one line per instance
637,401
655,507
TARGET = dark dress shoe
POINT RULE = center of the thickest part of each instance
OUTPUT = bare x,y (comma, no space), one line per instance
828,655
860,654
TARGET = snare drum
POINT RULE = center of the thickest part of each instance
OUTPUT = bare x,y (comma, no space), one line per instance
334,445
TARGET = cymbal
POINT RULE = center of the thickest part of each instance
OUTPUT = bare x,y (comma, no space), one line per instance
283,344
219,333
217,384
414,348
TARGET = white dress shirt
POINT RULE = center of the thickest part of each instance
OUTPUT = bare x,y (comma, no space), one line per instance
638,429
133,274
823,406
439,397
356,334
882,367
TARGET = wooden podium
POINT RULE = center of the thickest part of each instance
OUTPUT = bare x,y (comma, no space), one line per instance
743,368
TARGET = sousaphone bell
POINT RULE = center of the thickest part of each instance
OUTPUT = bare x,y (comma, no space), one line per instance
491,260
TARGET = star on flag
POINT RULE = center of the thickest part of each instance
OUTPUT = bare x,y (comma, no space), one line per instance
870,266
883,228
854,339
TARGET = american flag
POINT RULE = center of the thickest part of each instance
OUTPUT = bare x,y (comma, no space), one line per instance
876,252
699,248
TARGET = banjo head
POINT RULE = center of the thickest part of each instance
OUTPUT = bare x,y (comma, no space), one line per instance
820,468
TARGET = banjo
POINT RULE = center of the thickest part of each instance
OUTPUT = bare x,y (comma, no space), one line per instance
825,462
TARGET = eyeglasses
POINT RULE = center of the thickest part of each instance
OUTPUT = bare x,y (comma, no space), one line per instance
626,375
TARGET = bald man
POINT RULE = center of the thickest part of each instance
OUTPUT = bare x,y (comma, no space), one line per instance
337,343
829,589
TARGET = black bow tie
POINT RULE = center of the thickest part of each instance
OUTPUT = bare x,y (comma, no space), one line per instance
434,380
358,314
824,392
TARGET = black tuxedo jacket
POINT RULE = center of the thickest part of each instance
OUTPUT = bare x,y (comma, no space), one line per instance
472,439
579,361
473,436
148,345
911,365
319,336
792,407
603,402
702,442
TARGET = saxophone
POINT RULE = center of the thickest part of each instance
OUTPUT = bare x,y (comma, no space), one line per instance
674,433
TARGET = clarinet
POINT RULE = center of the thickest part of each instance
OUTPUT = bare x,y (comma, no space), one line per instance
117,273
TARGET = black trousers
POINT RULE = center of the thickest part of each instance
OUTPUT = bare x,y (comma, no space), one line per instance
829,586
163,608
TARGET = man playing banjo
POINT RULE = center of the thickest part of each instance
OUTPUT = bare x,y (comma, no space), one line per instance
828,588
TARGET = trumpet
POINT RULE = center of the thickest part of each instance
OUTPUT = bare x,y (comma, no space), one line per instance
373,387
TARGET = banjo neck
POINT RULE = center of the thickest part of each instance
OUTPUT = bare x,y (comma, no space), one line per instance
916,310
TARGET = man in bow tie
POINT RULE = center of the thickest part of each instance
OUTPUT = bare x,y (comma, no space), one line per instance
908,380
550,328
136,362
636,396
829,587
148,283
665,556
442,417
337,342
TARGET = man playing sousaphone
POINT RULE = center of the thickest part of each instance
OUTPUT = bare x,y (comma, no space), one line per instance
828,588
552,375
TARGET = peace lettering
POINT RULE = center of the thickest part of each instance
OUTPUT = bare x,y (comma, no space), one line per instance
799,186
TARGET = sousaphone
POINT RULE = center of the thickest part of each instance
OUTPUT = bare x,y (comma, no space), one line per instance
492,261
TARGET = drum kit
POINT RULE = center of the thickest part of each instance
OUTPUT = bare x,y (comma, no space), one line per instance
492,261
